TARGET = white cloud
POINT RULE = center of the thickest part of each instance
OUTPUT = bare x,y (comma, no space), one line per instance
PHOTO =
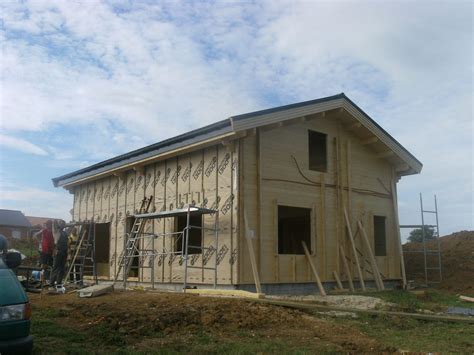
21,145
109,78
34,201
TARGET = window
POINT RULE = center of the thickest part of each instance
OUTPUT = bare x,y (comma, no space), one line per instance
195,234
380,238
317,148
16,234
294,227
102,242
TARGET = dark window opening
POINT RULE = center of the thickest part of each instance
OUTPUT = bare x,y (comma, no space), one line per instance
380,238
317,148
195,234
102,248
102,242
294,227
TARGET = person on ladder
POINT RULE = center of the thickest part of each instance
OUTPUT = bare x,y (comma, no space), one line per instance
60,257
72,244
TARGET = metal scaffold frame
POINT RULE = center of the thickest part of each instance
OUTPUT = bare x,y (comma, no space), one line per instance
143,245
426,252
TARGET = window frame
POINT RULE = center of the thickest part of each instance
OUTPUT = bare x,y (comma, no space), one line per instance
326,158
177,244
312,246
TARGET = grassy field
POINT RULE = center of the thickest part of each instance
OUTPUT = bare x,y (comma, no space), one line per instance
157,323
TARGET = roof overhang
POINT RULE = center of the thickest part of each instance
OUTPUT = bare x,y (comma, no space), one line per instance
340,106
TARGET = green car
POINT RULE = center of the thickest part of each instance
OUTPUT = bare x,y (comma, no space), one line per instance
15,310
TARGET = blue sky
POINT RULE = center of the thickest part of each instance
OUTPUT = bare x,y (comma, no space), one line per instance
82,80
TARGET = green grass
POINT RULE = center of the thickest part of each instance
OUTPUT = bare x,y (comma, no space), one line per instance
433,300
416,335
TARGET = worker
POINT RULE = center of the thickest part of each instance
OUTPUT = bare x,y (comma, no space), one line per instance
3,246
60,256
47,248
57,229
72,243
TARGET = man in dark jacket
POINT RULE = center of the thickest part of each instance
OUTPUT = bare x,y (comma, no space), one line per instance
3,246
60,258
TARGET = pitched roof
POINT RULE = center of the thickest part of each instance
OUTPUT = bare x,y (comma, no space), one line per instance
231,126
39,221
13,218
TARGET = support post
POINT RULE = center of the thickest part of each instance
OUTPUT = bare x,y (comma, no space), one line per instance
373,263
397,227
315,271
253,261
338,281
346,268
354,251
186,241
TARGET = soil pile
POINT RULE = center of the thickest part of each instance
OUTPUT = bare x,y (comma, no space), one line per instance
139,316
457,262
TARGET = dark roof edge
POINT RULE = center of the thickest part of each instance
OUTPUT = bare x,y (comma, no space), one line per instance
287,107
151,147
383,130
220,125
317,101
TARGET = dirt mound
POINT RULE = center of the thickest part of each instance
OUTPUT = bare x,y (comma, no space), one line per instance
137,316
457,262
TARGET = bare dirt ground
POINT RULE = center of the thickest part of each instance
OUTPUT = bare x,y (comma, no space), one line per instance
457,259
137,316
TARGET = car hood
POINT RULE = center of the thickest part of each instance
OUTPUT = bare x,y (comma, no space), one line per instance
11,291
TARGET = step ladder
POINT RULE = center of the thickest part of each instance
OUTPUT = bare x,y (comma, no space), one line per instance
83,260
131,249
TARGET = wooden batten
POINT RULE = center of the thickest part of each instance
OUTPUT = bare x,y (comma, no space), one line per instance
369,141
354,126
386,154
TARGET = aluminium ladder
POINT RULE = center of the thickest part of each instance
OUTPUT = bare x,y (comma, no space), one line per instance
131,248
83,260
432,256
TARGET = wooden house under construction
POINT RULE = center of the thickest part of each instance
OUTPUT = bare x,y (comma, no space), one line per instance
278,178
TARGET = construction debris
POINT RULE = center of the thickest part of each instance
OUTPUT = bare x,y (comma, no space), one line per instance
95,290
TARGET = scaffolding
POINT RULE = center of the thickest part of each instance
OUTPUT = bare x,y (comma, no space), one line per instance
427,253
143,244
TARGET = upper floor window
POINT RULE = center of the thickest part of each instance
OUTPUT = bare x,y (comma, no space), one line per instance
317,148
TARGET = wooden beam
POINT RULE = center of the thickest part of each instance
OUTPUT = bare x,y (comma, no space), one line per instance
120,174
373,263
315,271
354,251
139,169
312,306
346,268
355,126
251,132
338,281
249,236
370,140
386,154
397,230
402,167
